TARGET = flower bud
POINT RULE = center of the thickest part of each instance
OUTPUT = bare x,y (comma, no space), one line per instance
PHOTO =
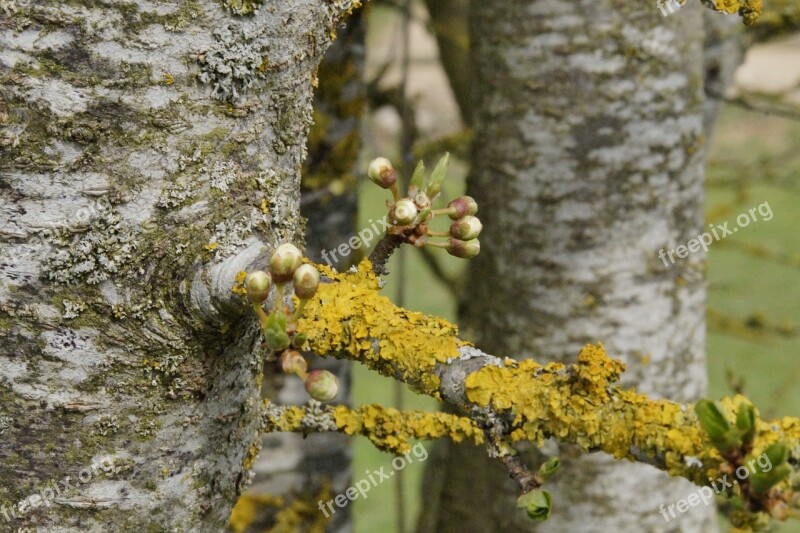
536,503
306,281
466,228
464,205
382,173
322,385
284,261
404,212
257,285
463,249
292,362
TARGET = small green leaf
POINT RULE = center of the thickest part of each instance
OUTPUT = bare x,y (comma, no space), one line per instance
746,421
777,453
418,177
763,481
434,185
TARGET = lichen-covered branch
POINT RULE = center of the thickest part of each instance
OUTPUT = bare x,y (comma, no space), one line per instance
386,427
577,403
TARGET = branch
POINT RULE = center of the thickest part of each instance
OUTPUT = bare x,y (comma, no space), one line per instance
578,403
387,428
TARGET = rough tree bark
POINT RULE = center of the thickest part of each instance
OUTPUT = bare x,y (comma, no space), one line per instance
150,151
588,160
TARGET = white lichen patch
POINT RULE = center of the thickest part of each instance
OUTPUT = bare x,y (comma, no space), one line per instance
233,235
236,61
106,249
72,309
222,175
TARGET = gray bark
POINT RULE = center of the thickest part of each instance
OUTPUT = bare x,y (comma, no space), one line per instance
150,151
587,161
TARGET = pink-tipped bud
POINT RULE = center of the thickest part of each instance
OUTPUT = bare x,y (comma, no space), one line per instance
464,206
466,228
463,249
382,173
306,281
322,385
257,285
284,261
404,212
292,362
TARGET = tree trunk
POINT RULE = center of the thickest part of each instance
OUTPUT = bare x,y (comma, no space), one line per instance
587,161
150,152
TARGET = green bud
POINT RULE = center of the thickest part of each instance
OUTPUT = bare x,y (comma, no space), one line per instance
716,426
537,504
299,340
466,228
322,385
547,469
382,173
257,285
761,482
777,453
292,362
284,261
463,249
276,340
464,205
746,421
306,281
404,212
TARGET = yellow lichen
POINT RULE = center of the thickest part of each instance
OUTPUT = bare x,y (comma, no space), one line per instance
238,283
393,430
351,318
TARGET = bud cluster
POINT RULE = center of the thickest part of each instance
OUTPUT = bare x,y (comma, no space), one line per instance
280,323
411,215
735,443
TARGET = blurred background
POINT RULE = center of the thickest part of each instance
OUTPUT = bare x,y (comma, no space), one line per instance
754,275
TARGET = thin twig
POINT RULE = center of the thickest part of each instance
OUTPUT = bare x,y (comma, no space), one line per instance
518,471
739,101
